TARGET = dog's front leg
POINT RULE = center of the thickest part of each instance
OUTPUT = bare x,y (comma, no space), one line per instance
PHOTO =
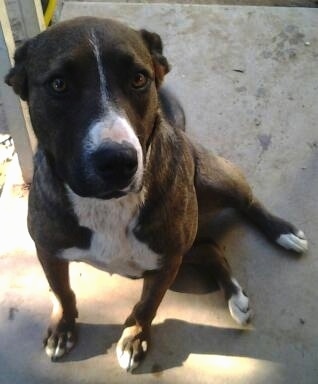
134,342
61,333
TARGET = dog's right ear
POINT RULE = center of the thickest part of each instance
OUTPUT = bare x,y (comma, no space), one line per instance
17,76
154,44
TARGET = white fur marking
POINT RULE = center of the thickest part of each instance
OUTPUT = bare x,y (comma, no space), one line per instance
297,243
126,356
55,352
59,351
124,360
102,79
113,247
49,351
115,128
239,306
301,234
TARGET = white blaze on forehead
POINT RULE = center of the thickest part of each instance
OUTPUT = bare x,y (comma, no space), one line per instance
111,126
102,79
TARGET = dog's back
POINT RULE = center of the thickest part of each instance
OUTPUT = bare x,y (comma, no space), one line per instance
172,109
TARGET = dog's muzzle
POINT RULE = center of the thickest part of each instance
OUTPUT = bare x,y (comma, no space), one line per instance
108,162
116,164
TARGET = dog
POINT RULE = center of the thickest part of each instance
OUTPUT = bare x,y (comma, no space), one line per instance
117,182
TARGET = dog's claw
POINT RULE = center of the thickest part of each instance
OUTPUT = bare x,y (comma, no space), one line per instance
131,348
58,344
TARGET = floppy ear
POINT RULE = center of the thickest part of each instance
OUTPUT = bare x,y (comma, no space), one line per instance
17,76
154,44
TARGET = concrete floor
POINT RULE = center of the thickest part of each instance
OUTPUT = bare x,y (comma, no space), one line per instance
247,78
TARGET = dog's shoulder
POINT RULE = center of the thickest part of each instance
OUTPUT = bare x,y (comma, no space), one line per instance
51,219
168,217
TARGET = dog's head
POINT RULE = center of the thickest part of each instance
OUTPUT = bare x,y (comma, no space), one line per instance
91,86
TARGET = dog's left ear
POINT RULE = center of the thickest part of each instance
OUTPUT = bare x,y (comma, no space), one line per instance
17,76
154,44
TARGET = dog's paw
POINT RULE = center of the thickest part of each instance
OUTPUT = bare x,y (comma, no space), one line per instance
239,306
131,348
293,241
58,342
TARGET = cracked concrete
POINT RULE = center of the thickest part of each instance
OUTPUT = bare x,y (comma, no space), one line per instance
252,99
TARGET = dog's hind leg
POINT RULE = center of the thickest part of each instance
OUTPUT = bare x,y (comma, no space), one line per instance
220,184
61,333
276,229
207,253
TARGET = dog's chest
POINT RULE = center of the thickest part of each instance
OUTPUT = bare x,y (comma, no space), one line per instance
113,247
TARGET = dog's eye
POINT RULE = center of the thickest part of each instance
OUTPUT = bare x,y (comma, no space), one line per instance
139,81
58,85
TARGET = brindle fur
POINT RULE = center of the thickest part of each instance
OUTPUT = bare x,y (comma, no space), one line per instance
185,184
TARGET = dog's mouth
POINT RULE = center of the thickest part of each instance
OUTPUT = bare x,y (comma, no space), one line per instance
95,190
102,195
111,195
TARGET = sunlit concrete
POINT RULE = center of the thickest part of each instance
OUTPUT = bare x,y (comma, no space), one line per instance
246,76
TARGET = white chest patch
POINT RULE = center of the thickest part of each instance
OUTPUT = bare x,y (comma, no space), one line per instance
114,247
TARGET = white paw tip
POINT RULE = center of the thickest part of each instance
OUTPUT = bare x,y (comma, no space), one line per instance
239,309
301,235
54,353
297,243
49,351
144,346
239,306
126,352
124,359
57,351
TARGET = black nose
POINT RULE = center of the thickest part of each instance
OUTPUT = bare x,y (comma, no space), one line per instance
116,162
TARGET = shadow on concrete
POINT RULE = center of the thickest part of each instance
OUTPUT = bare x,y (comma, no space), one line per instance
172,343
174,340
94,340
